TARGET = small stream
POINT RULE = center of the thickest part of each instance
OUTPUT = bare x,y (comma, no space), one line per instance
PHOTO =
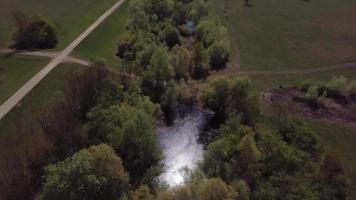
180,146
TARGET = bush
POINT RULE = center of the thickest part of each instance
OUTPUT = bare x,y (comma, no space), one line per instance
336,86
311,97
39,33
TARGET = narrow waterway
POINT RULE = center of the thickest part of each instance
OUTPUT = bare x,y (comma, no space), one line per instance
180,145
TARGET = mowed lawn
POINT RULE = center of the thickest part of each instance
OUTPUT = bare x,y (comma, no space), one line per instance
70,16
102,43
48,90
16,71
291,34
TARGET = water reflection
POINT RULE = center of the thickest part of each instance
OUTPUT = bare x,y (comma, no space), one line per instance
180,145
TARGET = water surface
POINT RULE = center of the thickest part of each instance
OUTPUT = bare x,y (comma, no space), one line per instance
180,145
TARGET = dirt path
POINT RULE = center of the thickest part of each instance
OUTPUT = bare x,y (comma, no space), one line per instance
25,89
47,54
302,71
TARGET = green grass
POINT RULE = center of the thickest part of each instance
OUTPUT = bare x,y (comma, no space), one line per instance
276,34
70,16
102,43
16,71
45,92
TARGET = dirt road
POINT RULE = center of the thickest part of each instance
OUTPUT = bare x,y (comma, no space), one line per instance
25,89
47,54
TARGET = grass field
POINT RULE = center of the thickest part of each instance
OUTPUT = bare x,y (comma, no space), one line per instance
46,91
102,43
70,16
276,34
16,71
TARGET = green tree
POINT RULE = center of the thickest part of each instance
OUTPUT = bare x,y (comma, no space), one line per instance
94,173
215,37
200,60
249,159
130,131
158,74
181,62
231,96
38,33
171,36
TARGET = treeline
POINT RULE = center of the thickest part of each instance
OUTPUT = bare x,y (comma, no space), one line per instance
60,155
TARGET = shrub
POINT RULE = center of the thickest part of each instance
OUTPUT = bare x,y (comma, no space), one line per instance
311,97
336,86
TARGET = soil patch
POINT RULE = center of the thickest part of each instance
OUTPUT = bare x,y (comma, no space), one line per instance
331,110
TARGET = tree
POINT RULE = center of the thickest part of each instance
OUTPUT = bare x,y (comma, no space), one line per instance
215,37
139,148
216,189
181,61
216,95
158,74
231,96
171,36
94,173
200,60
38,33
142,193
169,102
249,159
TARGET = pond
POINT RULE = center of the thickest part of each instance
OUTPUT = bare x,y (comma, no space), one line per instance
180,145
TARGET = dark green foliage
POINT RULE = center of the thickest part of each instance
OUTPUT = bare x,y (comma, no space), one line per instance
39,33
94,173
169,102
130,131
171,36
200,61
288,163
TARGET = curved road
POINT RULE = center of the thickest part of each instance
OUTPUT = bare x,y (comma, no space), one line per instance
25,89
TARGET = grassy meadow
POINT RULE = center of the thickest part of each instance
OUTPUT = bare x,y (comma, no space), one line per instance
102,43
291,34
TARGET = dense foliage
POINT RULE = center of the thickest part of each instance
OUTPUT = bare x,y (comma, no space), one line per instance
99,140
38,33
94,173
